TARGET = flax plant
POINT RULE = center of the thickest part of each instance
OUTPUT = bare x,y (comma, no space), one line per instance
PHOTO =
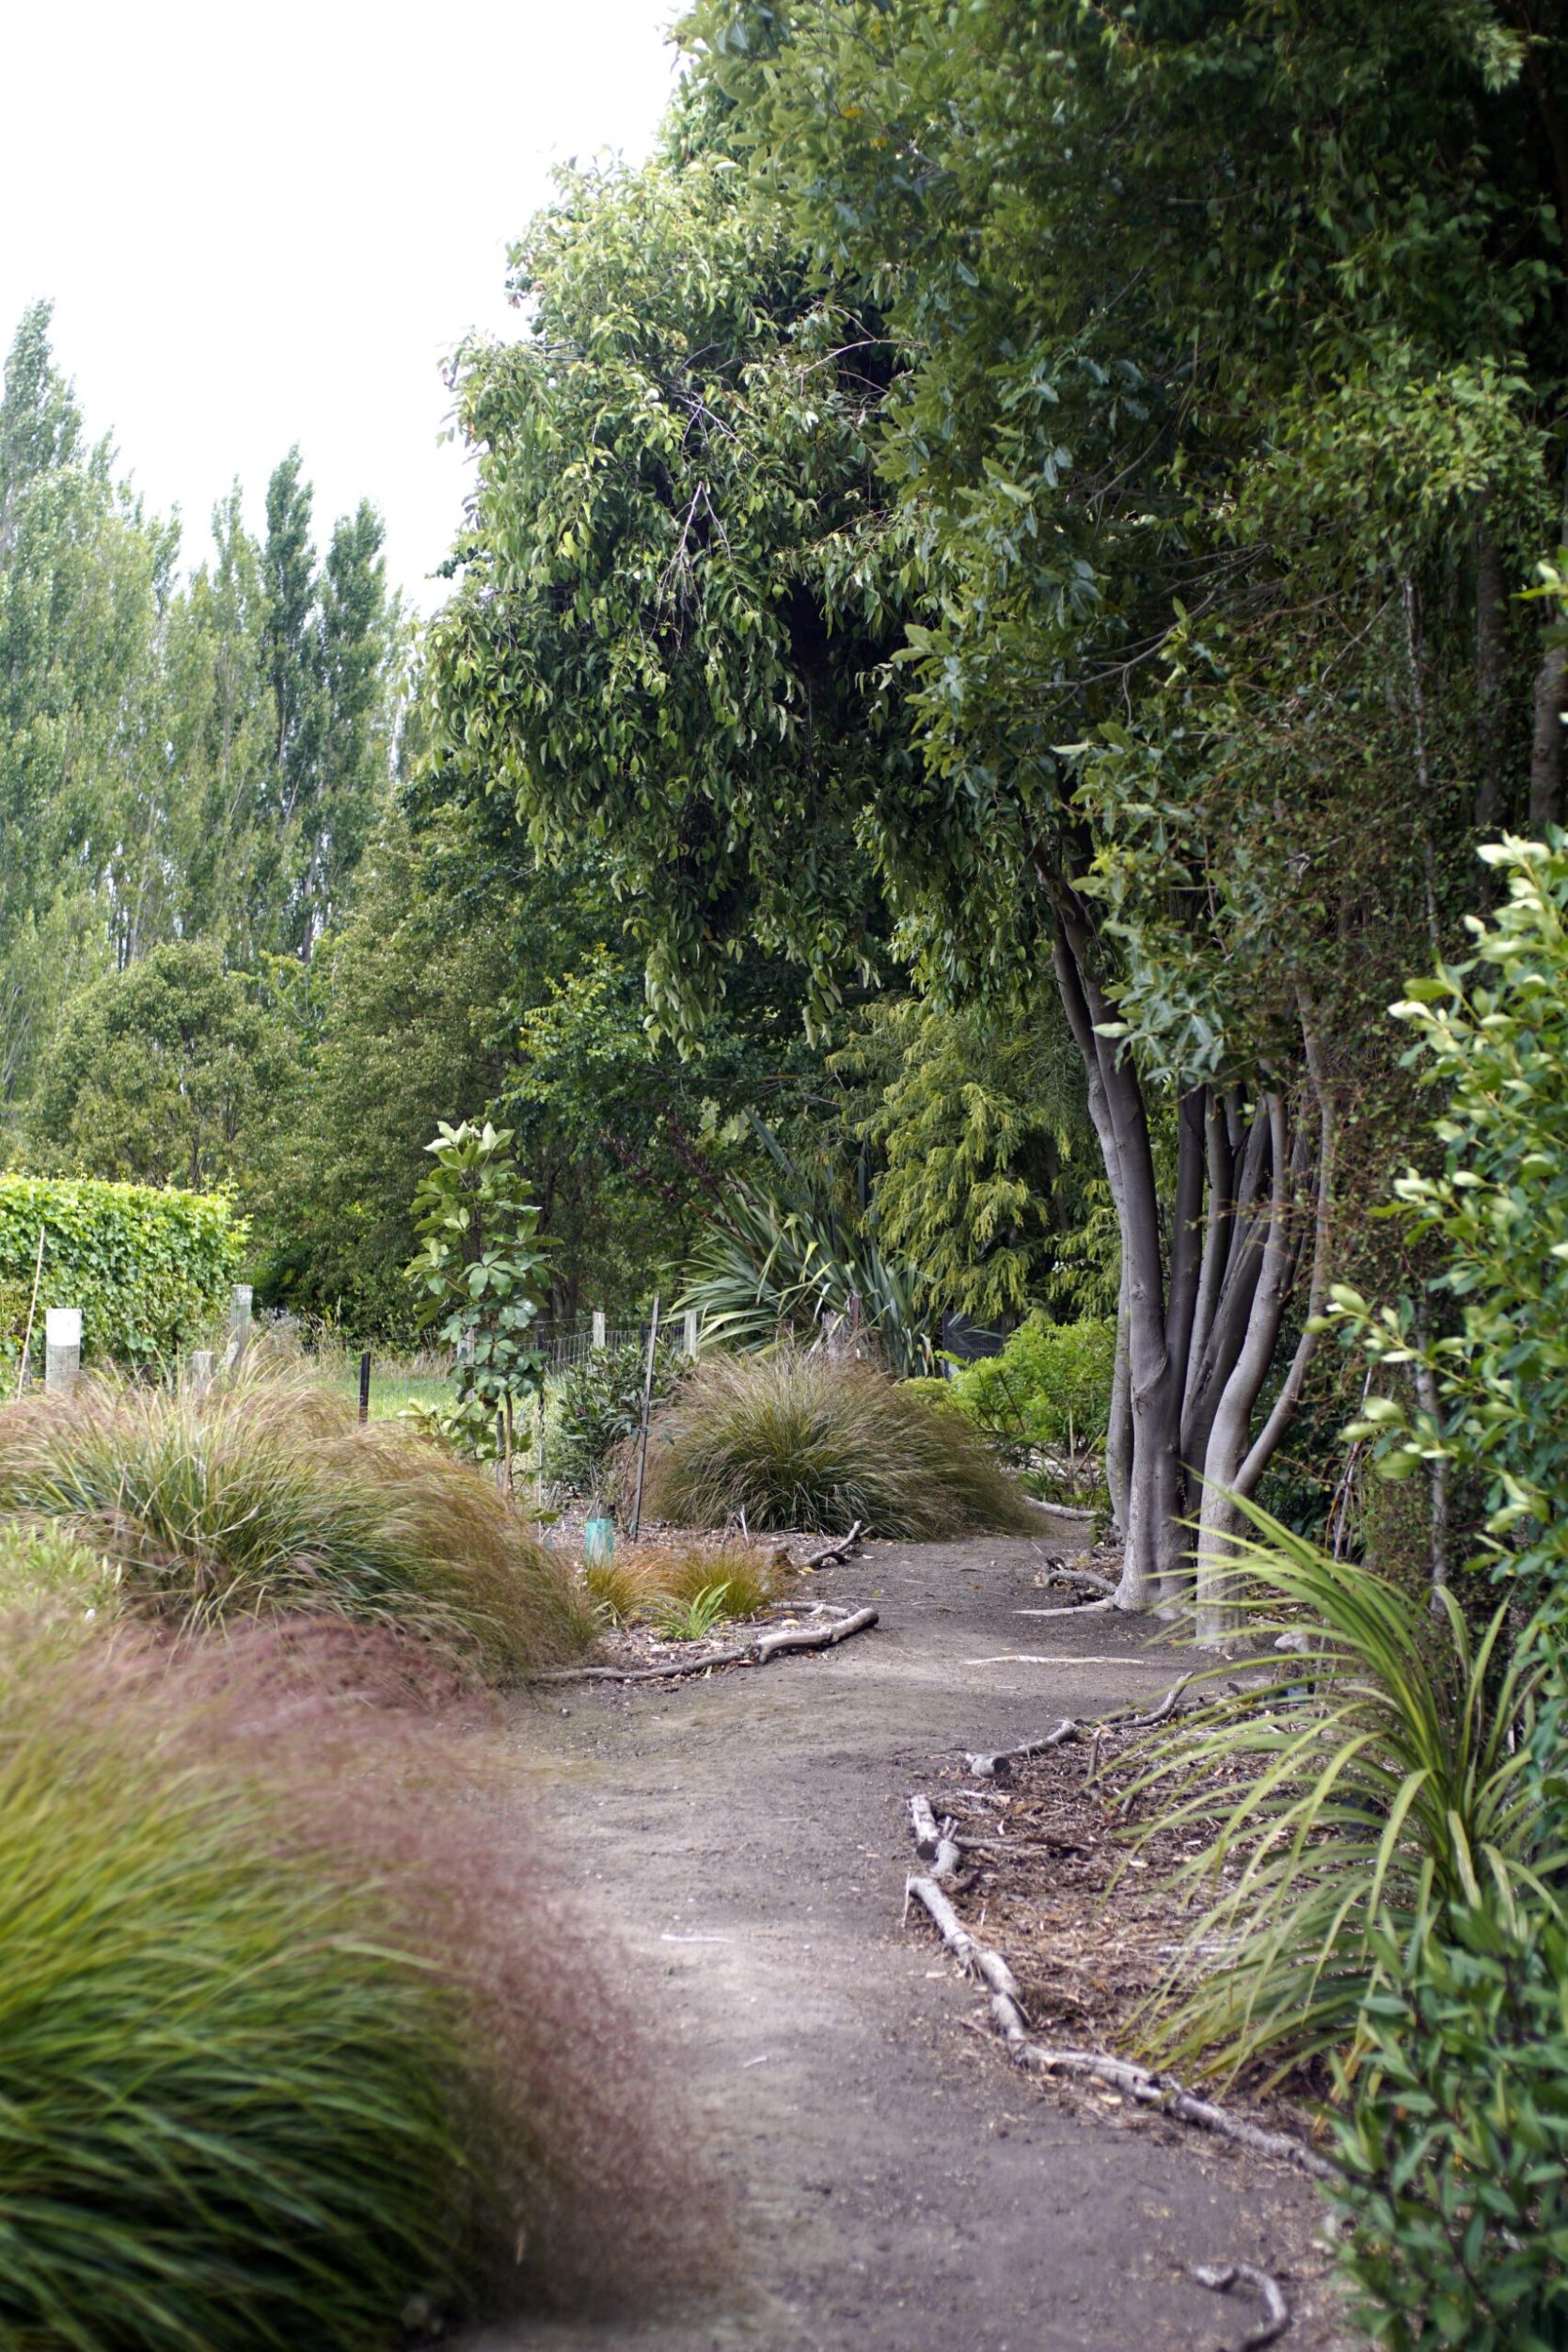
1371,1773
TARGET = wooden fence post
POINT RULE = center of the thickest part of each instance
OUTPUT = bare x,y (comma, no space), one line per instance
598,1327
365,1385
62,1347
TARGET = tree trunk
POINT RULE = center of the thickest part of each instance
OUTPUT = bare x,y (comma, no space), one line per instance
1118,1432
1193,1351
1545,759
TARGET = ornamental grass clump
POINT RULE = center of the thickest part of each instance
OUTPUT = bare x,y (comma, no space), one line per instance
806,1441
294,2040
267,1495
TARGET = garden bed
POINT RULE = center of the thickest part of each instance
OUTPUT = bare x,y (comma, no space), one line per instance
1038,1867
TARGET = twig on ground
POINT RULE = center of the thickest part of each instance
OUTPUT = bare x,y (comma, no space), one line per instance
1222,2277
998,1766
753,1653
1135,2083
1072,1609
839,1549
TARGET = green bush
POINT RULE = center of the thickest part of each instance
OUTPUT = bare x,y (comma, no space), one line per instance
596,1406
1456,2148
268,1496
152,1271
286,2039
797,1441
1050,1385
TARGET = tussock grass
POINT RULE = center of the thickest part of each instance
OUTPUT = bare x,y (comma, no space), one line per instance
797,1440
645,1580
290,2032
267,1495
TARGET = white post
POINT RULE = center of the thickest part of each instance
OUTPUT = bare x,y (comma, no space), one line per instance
62,1347
240,1299
690,1334
204,1365
598,1327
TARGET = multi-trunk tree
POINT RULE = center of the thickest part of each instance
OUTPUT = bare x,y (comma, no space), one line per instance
1189,380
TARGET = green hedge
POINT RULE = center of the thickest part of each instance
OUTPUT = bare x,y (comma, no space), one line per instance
150,1270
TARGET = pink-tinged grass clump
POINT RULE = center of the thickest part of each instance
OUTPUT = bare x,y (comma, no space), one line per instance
295,2035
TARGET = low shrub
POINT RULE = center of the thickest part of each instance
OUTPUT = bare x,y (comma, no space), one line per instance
268,1496
1380,1770
595,1406
805,1440
1050,1387
291,2036
1456,2148
150,1270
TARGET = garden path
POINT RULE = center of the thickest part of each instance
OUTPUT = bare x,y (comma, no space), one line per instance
902,2189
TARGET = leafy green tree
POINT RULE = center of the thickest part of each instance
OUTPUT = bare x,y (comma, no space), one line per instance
164,1074
673,627
1197,532
482,1275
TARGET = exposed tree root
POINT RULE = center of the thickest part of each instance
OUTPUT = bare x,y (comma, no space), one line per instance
1222,2277
1135,2083
1073,1608
755,1652
999,1767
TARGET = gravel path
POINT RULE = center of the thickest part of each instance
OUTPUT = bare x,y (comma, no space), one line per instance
902,2189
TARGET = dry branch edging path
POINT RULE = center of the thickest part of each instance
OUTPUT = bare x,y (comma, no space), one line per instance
903,2189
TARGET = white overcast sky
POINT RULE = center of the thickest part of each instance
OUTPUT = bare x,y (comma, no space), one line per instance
269,224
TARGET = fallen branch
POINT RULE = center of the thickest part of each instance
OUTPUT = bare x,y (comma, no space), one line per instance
830,1553
1073,1608
753,1653
999,1767
934,1841
1222,2277
1135,2083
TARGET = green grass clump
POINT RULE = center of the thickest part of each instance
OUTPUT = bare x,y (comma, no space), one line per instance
796,1440
267,1495
649,1582
288,2038
44,1570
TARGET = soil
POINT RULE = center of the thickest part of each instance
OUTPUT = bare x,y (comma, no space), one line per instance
902,2186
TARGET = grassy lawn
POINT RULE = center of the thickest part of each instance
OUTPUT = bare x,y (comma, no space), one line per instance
392,1386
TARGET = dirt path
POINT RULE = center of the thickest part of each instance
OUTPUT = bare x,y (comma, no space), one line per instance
903,2189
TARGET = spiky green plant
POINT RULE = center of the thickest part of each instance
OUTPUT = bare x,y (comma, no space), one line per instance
1375,1772
781,1261
692,1620
804,1440
268,1496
